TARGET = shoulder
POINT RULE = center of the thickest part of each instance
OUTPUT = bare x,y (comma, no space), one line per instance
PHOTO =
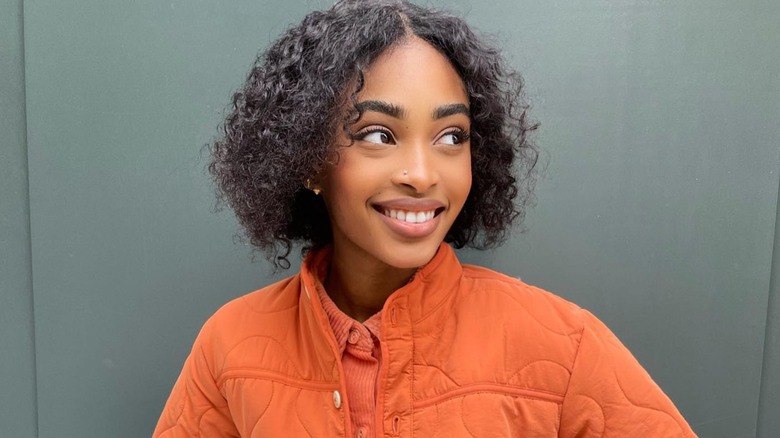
520,301
539,332
259,317
499,329
605,389
544,317
282,296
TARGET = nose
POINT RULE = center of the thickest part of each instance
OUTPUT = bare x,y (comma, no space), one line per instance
417,170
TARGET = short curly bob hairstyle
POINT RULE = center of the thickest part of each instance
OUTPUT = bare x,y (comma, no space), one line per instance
284,121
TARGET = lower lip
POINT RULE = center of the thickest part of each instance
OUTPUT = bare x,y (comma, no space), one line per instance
411,230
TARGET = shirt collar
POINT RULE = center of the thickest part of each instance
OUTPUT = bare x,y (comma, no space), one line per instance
342,324
428,288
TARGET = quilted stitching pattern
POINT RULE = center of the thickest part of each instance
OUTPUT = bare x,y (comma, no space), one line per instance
604,381
488,415
468,352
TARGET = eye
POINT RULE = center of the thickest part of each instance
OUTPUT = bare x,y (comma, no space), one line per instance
375,135
454,136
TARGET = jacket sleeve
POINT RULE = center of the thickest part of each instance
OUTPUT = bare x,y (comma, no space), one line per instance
196,406
611,395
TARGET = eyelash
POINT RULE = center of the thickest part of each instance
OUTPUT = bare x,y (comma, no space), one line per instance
459,133
361,135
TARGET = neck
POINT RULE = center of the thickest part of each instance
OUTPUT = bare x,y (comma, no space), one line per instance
360,287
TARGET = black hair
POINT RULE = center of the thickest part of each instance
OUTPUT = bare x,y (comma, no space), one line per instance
284,120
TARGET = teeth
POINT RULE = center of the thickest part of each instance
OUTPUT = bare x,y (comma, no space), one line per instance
410,216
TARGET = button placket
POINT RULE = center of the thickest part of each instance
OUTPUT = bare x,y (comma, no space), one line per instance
398,334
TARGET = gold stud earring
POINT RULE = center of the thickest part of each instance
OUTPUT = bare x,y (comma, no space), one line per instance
312,186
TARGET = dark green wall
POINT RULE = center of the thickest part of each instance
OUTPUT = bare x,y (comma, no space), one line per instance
17,339
658,209
769,401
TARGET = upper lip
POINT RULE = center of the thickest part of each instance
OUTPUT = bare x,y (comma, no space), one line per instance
409,204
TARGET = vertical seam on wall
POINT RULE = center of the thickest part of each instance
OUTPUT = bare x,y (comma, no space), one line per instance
774,272
29,219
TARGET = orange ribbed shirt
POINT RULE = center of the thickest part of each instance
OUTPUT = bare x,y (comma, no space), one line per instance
361,356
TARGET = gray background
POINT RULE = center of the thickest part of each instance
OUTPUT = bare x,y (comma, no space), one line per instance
658,211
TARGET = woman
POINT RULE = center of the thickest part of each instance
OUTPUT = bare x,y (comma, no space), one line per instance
378,133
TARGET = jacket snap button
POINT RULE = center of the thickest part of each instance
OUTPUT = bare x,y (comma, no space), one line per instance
337,399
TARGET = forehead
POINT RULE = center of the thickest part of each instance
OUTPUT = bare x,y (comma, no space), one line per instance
413,71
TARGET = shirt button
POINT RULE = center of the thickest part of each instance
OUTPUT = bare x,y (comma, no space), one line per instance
336,399
354,336
362,432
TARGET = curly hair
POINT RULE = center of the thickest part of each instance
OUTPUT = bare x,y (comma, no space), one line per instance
284,120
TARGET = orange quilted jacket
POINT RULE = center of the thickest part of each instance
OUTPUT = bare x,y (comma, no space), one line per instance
466,352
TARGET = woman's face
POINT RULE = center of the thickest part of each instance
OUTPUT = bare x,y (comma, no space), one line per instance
395,192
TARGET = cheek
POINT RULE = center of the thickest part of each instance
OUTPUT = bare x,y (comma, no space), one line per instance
467,183
463,182
346,184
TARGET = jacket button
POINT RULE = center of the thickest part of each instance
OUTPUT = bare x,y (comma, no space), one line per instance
354,336
337,399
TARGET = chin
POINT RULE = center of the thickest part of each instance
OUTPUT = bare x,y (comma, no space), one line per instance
411,256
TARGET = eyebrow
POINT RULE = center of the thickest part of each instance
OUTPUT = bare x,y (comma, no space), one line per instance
397,112
449,110
380,107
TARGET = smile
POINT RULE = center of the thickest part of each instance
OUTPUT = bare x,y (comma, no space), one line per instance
411,217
